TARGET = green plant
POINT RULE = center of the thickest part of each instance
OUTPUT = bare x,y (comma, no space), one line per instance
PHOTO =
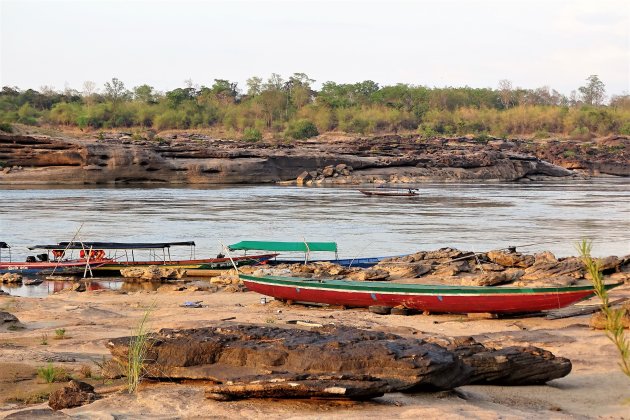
252,134
60,334
302,129
139,345
6,127
614,317
44,341
101,135
568,153
51,373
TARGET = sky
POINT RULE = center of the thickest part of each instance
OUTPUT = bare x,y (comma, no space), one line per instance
532,43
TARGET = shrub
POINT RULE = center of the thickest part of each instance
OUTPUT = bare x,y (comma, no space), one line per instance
60,334
302,129
6,127
252,134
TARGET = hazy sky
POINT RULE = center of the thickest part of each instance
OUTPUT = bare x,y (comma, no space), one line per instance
433,43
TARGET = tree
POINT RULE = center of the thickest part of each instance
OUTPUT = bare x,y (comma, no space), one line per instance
594,92
145,94
505,93
116,92
89,89
254,86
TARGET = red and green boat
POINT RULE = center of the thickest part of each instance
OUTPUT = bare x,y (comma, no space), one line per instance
421,297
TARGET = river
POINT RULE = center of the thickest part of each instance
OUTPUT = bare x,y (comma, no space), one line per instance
480,216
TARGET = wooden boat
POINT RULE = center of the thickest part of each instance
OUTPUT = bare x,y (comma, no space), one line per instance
122,255
306,248
422,297
384,192
43,267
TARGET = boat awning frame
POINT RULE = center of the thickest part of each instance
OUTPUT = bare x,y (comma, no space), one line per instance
279,246
112,245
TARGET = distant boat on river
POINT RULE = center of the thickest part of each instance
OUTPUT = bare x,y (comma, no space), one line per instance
391,192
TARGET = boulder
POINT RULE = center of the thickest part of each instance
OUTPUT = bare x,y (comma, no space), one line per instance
11,278
251,354
153,272
493,278
572,267
370,274
328,171
78,287
511,259
598,320
74,394
7,317
544,257
303,178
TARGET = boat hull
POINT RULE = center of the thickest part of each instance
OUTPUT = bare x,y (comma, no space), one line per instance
437,299
202,264
30,268
365,262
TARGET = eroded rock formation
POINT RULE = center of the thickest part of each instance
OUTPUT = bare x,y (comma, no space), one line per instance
199,159
369,362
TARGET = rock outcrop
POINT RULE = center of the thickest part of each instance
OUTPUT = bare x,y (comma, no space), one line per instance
198,159
249,354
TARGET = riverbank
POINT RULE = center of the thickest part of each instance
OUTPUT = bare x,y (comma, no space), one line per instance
193,158
595,387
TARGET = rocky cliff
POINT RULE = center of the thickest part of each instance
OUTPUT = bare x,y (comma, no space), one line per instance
195,159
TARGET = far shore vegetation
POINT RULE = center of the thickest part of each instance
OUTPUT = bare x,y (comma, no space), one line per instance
291,108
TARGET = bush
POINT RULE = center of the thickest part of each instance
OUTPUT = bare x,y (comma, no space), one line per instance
6,127
252,134
302,129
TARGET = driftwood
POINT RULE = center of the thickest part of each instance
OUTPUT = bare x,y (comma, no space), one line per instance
255,360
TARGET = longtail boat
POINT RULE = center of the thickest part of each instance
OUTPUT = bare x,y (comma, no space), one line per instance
122,255
422,297
306,248
383,192
46,267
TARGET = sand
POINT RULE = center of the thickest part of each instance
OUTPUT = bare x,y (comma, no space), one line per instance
595,388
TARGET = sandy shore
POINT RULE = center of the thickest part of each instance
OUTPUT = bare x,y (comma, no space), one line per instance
595,388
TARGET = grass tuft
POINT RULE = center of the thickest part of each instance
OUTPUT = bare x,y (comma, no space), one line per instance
52,374
139,346
60,334
614,324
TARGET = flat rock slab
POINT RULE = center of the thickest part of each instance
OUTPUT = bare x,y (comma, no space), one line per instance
244,355
306,386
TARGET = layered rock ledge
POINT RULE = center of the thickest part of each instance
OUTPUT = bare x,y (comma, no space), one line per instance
194,159
250,360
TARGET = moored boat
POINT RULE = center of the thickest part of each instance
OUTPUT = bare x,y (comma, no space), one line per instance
307,248
421,297
123,255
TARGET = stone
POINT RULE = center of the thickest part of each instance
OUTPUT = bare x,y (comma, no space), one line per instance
153,273
544,258
260,353
11,278
328,171
370,274
598,320
303,178
78,287
7,317
302,386
511,259
340,167
571,266
493,278
74,394
37,413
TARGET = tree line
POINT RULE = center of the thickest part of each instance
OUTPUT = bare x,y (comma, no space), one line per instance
294,109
